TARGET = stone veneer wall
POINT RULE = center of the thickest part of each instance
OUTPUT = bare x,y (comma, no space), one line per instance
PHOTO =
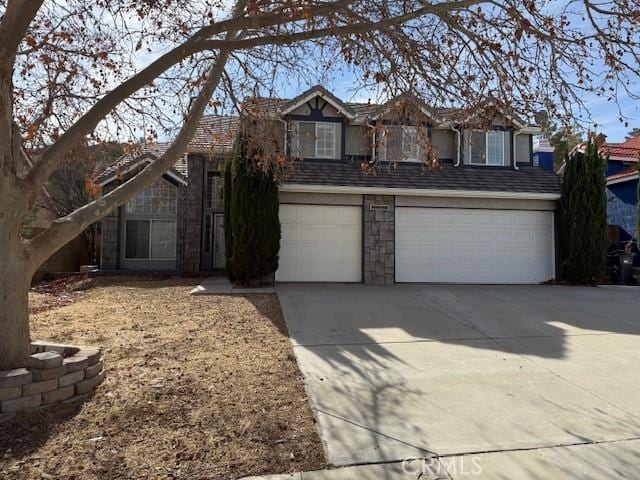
192,217
56,374
379,240
109,236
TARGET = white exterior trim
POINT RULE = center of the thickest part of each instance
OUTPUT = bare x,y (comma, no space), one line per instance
621,159
135,165
313,95
543,150
623,179
419,192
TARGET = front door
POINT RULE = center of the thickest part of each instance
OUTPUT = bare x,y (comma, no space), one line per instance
212,253
219,259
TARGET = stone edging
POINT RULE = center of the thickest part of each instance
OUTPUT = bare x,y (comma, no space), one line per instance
56,374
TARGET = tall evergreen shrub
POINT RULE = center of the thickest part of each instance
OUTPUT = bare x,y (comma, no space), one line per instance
582,219
228,225
254,217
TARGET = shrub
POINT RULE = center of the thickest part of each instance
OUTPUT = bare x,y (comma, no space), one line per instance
254,217
583,218
228,226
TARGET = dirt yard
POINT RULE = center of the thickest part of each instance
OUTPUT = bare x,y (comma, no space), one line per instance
197,387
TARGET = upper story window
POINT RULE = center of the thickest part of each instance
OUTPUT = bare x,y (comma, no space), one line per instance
487,148
318,139
214,193
160,198
400,143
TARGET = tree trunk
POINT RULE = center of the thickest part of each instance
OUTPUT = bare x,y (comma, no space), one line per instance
15,279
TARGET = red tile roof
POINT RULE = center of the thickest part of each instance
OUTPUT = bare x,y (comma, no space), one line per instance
629,149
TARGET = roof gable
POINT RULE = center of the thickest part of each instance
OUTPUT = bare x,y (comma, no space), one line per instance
131,161
313,92
406,99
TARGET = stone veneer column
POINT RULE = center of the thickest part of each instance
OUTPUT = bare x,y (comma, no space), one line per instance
109,236
379,240
190,254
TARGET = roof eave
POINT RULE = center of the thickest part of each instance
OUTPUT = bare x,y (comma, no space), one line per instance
424,192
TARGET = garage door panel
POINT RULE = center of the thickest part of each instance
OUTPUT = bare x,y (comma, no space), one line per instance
473,246
320,243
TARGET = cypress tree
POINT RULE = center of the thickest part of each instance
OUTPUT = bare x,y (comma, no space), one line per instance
254,217
583,218
228,226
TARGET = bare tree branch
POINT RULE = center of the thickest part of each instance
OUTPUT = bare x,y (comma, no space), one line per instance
18,15
66,228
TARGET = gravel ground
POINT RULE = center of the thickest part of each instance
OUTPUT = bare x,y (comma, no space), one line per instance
197,387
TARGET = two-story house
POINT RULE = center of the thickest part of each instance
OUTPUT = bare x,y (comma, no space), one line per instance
357,203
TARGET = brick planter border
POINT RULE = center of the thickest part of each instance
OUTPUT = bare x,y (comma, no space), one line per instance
56,374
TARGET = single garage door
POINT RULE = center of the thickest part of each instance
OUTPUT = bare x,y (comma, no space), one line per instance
320,243
473,245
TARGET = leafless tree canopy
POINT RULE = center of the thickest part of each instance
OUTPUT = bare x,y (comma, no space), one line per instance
72,70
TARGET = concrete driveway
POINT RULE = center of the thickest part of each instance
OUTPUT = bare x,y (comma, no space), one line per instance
431,370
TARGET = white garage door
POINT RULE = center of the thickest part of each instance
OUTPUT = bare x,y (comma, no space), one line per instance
473,246
320,243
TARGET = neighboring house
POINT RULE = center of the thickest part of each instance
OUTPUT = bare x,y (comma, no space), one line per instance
486,215
543,153
622,186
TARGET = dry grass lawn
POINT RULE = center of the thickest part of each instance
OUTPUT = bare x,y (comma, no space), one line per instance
197,387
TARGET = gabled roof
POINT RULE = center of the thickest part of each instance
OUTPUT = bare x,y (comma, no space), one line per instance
360,112
406,97
512,117
313,92
215,134
137,158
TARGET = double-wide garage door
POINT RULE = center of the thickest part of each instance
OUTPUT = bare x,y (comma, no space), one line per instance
323,243
320,243
451,245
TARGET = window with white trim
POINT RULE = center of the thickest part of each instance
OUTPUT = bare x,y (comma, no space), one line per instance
160,198
487,148
401,143
410,144
318,139
150,223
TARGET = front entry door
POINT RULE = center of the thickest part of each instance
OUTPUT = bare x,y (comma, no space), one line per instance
212,253
219,259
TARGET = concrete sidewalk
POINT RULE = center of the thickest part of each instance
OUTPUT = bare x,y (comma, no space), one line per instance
617,460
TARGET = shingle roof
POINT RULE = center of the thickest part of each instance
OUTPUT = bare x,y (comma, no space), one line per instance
447,177
215,134
147,153
271,107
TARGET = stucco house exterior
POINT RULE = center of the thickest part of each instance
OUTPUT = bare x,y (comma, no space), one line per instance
622,186
486,214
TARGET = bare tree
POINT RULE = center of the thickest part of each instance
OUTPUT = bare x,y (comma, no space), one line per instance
69,73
